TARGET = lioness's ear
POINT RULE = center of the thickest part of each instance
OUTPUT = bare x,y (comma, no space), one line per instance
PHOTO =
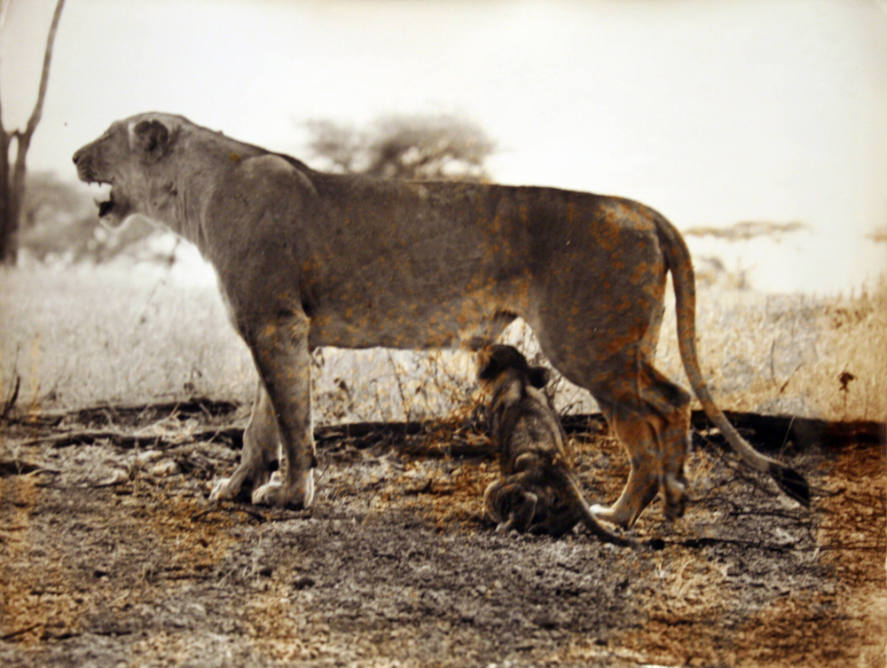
150,138
539,376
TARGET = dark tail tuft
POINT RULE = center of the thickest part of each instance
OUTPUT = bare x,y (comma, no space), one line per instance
792,483
654,544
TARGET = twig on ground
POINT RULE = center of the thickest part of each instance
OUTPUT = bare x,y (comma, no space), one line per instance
125,440
18,632
228,509
91,436
704,541
128,413
10,467
9,404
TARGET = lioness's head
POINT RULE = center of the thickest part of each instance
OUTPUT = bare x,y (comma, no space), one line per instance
134,156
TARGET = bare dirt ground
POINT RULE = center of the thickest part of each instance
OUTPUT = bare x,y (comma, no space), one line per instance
110,553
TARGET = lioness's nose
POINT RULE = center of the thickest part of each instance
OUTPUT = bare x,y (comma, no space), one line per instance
81,154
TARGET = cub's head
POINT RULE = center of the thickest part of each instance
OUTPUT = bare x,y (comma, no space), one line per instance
512,385
502,363
137,158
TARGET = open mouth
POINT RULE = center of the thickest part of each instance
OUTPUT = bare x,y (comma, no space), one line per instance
105,206
104,200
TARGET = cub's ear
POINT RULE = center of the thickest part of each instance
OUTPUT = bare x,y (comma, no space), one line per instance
488,369
539,376
151,138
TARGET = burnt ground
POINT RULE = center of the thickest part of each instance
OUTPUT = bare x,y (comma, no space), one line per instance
110,553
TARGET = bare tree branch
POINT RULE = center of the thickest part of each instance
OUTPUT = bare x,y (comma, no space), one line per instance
12,182
37,113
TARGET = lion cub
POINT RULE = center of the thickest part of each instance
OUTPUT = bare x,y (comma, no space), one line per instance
538,492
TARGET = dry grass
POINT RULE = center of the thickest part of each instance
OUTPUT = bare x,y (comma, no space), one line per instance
775,354
792,354
85,337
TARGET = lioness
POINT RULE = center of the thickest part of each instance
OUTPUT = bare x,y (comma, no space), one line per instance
538,492
309,259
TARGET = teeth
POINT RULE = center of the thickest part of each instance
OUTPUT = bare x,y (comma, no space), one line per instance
102,195
99,188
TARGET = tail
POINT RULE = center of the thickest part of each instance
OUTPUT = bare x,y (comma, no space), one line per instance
678,258
588,518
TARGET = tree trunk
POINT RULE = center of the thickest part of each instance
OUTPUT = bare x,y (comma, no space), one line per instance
12,181
6,230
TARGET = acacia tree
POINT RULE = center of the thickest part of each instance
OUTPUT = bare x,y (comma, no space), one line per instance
12,172
404,147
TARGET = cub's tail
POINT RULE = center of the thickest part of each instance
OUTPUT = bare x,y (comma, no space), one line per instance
584,512
678,258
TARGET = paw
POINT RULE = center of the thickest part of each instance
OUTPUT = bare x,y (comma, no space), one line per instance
276,493
504,527
675,507
608,514
599,511
675,498
675,511
225,490
237,488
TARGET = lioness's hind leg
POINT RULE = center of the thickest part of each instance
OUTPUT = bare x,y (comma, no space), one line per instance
261,446
651,417
639,440
616,385
673,407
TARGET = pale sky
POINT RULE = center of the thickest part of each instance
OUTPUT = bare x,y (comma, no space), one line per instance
712,112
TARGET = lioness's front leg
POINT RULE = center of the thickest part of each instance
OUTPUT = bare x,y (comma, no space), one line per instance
261,448
280,349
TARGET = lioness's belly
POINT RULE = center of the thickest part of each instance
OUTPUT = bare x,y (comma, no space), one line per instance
398,322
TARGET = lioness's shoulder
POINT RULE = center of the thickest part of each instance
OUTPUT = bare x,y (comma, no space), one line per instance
270,165
270,172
